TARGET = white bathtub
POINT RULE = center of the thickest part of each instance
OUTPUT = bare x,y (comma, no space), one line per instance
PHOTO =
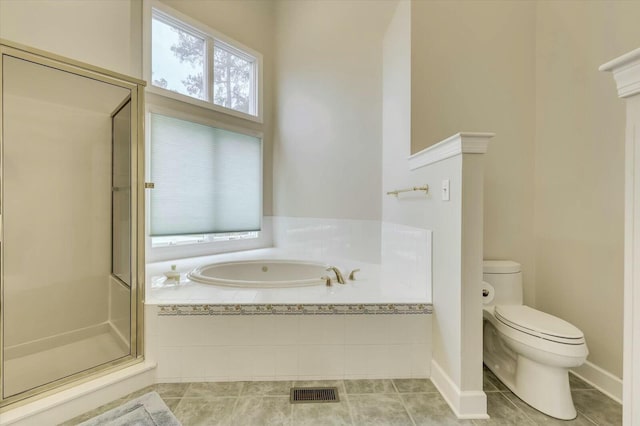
375,283
267,273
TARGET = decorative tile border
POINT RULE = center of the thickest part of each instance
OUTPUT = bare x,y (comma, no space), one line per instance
298,309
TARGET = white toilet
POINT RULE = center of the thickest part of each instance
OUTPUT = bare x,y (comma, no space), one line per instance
529,351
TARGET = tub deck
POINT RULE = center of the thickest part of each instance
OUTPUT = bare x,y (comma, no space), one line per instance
375,284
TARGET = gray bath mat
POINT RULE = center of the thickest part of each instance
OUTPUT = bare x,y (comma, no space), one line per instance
147,410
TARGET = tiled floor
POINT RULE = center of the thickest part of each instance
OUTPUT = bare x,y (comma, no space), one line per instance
362,402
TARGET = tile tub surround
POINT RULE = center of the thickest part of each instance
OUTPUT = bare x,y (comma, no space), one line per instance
324,237
362,402
375,284
209,348
378,326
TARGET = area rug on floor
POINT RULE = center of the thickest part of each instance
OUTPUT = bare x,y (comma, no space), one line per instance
147,410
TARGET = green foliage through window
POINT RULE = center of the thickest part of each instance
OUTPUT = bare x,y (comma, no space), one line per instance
181,64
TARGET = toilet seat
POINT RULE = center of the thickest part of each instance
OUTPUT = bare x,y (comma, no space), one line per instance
539,324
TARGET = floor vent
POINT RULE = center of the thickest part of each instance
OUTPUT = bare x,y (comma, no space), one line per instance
302,395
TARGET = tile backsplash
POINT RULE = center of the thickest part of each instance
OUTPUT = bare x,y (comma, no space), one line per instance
404,252
318,238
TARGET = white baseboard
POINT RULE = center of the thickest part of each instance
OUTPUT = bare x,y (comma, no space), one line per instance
69,403
465,404
601,379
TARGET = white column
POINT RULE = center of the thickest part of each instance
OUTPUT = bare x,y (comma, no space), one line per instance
626,72
456,367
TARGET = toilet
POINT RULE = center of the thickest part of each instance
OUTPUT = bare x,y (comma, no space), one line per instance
528,350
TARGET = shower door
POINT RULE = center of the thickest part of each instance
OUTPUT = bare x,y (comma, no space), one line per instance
69,206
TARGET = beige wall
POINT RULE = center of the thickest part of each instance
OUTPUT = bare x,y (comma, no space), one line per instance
473,70
104,33
579,169
250,22
327,151
554,177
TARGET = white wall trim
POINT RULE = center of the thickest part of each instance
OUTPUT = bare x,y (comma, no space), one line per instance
460,143
67,404
465,404
601,379
626,72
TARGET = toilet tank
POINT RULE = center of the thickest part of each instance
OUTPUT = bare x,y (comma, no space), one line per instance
506,278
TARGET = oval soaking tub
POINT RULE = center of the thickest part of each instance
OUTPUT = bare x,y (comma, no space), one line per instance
261,273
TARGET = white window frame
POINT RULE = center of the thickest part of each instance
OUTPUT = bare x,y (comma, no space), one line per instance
203,244
212,37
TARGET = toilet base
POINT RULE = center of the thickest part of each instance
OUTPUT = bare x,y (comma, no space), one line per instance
545,388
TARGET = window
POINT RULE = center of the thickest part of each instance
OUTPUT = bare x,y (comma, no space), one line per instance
208,182
232,79
193,62
207,174
178,60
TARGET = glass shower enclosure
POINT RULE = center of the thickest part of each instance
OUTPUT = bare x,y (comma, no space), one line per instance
71,252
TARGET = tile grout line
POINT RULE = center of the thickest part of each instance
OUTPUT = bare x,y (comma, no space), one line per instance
404,405
346,397
393,383
518,409
588,418
235,404
291,421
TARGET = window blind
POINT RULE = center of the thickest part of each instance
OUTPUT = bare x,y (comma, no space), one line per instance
207,180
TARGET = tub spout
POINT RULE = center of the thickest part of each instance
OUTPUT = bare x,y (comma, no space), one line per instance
339,276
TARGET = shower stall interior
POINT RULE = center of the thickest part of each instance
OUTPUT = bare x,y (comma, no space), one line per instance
71,209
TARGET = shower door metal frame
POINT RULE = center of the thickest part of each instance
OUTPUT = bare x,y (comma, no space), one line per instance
136,87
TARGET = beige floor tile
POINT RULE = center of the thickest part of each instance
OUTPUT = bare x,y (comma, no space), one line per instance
328,413
273,388
210,411
262,411
577,383
367,402
414,385
598,407
213,389
430,409
378,409
503,412
369,386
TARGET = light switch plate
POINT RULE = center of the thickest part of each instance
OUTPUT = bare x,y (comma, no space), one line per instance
445,190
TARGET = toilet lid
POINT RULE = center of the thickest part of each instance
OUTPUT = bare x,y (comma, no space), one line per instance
539,324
